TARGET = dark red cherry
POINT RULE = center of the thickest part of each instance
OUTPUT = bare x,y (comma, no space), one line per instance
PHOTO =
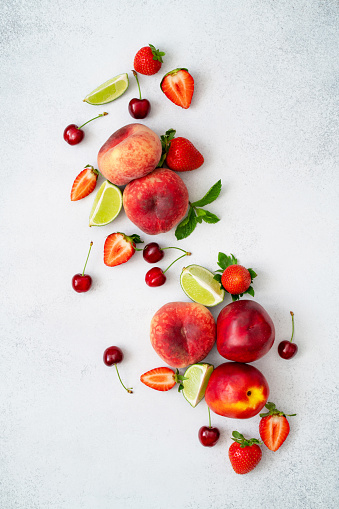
74,135
155,277
287,349
139,108
113,355
152,253
208,436
82,282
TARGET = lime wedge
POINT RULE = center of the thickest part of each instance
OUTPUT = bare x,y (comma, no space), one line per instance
197,379
108,91
199,285
106,206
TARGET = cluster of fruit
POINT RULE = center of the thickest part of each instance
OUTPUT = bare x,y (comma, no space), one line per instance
156,199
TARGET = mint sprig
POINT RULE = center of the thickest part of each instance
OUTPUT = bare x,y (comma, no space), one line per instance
196,214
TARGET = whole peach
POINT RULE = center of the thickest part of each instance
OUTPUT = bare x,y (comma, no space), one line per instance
157,202
182,333
236,390
131,152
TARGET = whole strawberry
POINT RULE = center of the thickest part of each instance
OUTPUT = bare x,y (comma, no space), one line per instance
274,427
244,454
235,279
179,153
148,60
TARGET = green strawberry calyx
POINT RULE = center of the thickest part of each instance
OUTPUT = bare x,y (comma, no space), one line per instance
165,144
242,441
272,410
133,239
225,261
157,54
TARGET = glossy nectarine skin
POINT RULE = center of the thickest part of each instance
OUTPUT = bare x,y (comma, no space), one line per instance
245,331
157,202
182,333
237,390
131,152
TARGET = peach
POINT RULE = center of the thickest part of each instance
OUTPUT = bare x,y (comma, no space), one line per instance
157,202
182,333
131,152
236,390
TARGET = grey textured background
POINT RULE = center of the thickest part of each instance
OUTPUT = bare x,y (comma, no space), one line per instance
264,116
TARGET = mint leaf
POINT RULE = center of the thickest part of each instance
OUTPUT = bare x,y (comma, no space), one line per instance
208,217
187,225
210,196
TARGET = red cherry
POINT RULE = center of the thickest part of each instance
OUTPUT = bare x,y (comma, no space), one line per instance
74,135
152,252
139,108
112,356
287,349
155,277
208,436
82,282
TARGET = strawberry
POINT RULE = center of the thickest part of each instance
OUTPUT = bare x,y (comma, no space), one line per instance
148,60
160,379
244,454
235,279
178,86
119,248
180,154
274,427
85,183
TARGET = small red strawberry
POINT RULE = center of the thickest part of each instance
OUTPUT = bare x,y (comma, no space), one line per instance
85,183
160,379
274,427
179,153
178,86
244,454
235,279
119,248
148,60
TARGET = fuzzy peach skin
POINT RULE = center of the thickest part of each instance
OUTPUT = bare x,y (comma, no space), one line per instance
182,333
131,152
236,390
157,202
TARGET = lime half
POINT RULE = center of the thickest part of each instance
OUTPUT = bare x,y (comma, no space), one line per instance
197,379
199,285
108,91
106,206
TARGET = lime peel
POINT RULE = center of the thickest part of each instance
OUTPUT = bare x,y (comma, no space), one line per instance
107,204
108,91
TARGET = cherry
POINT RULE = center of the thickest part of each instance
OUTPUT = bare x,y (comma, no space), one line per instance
208,435
153,253
114,355
82,282
74,135
156,276
139,108
287,349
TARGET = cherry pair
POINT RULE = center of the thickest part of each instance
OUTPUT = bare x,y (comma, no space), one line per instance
152,253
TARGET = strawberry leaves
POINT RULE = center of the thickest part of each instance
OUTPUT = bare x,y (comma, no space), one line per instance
157,54
242,441
197,215
165,143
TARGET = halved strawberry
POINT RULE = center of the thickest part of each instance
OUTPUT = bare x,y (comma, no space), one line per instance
178,86
160,379
85,183
273,427
119,248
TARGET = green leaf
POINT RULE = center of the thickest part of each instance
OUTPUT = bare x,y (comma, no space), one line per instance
217,277
225,261
208,217
187,225
253,274
250,291
165,144
237,435
235,297
211,195
200,212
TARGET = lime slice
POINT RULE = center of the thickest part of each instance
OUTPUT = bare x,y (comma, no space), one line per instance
197,379
108,91
199,285
106,206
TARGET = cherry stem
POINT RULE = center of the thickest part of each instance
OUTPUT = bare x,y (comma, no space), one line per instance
173,247
292,315
90,247
128,390
209,417
186,254
101,115
136,77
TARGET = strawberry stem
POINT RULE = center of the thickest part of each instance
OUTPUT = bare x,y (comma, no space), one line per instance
90,247
128,390
136,77
292,315
186,254
101,115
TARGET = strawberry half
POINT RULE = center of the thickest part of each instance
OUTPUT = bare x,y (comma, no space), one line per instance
160,379
119,248
235,279
178,86
274,427
244,454
148,60
84,183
